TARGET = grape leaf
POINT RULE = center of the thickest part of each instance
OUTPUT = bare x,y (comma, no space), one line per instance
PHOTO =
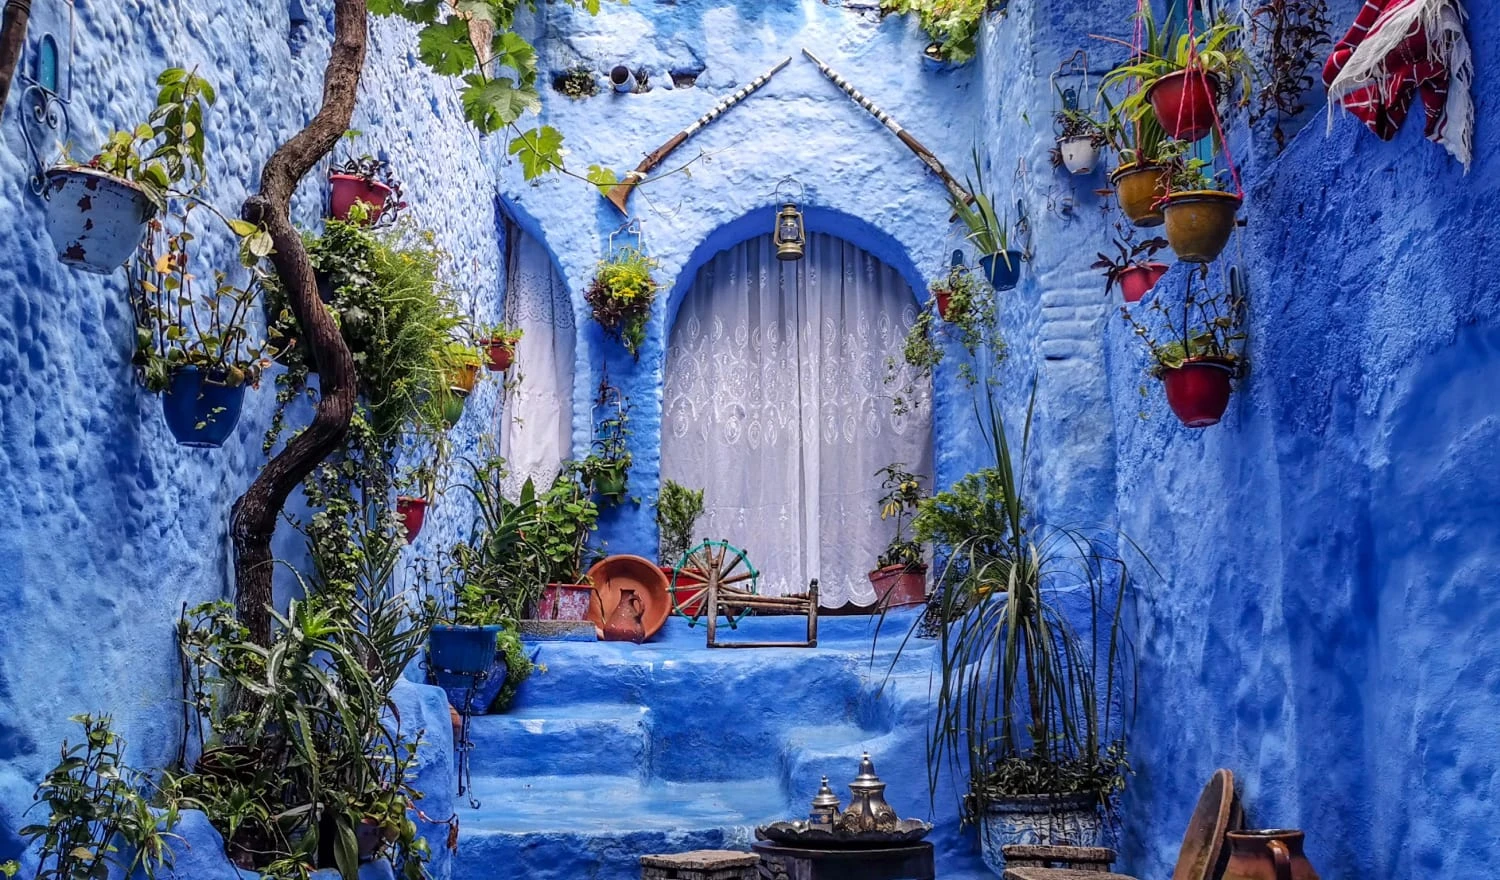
492,104
539,151
446,47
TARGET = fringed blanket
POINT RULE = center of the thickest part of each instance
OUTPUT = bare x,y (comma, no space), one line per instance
1398,50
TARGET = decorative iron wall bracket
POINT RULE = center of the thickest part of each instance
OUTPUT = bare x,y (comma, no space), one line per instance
46,93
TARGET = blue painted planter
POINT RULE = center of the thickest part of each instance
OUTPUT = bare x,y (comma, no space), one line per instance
465,650
1002,274
96,220
458,686
200,411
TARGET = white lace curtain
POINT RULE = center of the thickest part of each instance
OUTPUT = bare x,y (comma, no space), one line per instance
775,402
536,430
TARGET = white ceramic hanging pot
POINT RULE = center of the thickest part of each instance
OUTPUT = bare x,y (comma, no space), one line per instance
96,220
1080,154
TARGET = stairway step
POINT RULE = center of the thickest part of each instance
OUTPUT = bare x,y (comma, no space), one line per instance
584,738
810,753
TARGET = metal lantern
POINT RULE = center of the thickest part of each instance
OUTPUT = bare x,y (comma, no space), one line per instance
791,235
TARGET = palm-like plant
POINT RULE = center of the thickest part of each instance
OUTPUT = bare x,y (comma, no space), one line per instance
989,232
1214,52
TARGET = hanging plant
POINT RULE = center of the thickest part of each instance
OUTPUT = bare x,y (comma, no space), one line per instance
621,295
606,469
1079,139
499,344
990,233
1133,270
194,348
1143,175
460,363
953,25
1199,210
961,310
97,210
1196,348
1182,82
1289,35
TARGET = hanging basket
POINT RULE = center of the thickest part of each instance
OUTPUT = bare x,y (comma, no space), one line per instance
1184,103
350,188
498,355
1198,391
1079,154
1002,270
96,220
463,378
1199,223
1138,280
1138,188
201,410
412,513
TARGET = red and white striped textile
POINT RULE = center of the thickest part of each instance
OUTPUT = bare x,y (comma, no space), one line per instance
1399,50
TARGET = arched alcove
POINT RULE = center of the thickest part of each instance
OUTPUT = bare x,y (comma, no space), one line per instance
775,401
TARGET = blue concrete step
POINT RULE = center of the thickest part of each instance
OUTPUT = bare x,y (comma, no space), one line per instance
833,750
583,738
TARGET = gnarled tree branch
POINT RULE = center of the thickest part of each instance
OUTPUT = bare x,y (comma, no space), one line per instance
253,521
12,43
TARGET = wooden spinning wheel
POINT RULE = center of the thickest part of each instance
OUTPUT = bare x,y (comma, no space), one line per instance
716,579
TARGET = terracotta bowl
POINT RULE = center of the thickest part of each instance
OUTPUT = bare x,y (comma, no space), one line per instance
615,574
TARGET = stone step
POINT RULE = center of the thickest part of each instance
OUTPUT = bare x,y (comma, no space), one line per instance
580,739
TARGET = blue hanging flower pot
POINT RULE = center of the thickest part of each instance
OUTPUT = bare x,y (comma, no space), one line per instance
96,220
201,410
1003,271
462,650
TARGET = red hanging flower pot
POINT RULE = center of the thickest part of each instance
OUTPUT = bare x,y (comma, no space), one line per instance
942,303
412,512
1198,391
351,188
498,354
1184,103
1140,278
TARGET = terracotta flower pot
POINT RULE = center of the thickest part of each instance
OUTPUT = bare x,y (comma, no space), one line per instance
350,188
1199,223
1198,391
412,512
1137,280
1138,189
498,355
463,378
1184,103
96,220
897,586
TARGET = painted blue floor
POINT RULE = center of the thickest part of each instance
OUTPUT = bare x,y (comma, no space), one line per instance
620,750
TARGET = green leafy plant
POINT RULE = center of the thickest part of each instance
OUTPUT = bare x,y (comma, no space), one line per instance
178,327
371,170
902,493
493,570
1205,324
606,469
1074,124
500,334
1290,36
988,232
953,25
1130,255
621,295
577,82
1191,172
1214,51
566,518
970,321
166,150
94,804
678,510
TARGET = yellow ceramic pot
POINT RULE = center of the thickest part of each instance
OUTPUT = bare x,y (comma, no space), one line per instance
464,377
1138,188
1199,223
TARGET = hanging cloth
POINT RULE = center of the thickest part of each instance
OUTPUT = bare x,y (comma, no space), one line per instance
1399,50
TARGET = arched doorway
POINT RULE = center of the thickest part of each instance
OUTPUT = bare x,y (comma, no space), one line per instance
775,402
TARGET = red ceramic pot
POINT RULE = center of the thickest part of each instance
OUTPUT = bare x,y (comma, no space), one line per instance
412,512
942,303
1198,391
897,586
1138,279
498,355
351,188
565,602
1184,103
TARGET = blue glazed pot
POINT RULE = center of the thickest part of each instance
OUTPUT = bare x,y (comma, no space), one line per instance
96,220
1002,274
464,650
461,687
200,411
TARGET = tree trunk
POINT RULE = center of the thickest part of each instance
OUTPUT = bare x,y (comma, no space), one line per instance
256,513
12,43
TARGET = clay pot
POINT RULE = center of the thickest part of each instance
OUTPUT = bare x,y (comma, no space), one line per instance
620,79
1079,154
942,297
1267,855
498,355
564,602
412,512
96,220
463,378
1138,189
1198,391
1184,103
624,624
457,721
350,188
897,586
1137,280
1199,223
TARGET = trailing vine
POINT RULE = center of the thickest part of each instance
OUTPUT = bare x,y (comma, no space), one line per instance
1288,35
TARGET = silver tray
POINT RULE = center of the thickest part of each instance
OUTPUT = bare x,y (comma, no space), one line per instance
810,834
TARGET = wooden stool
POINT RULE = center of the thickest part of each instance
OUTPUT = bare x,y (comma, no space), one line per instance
1059,874
1077,858
703,864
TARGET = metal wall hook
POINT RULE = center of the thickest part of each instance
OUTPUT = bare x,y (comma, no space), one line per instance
47,92
784,182
629,227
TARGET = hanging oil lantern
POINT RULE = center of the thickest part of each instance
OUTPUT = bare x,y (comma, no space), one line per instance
791,235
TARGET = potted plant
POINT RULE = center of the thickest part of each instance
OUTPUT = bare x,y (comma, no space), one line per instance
411,510
621,295
990,235
365,181
1200,213
566,516
1143,175
1079,138
460,363
194,349
968,312
1198,349
958,297
1181,83
1032,702
678,510
1133,270
900,576
606,469
953,26
97,210
577,82
499,344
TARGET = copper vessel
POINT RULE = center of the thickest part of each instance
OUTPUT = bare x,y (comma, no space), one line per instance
1267,855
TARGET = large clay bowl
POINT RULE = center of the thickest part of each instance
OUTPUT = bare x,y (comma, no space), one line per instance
614,574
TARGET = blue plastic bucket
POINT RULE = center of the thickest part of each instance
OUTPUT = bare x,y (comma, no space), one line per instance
1002,274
